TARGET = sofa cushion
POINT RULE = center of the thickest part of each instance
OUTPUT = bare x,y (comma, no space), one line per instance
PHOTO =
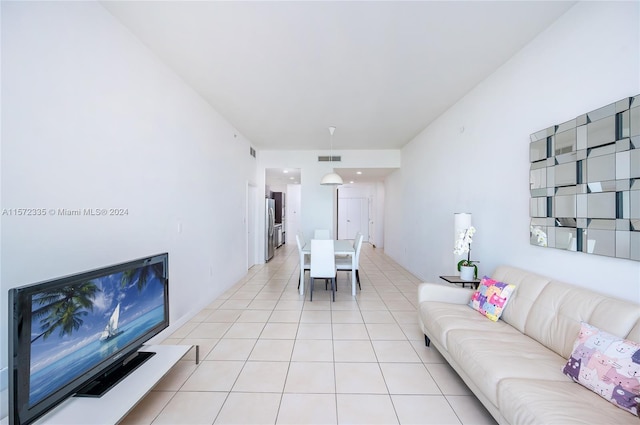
528,288
634,334
441,317
491,297
537,401
607,365
555,317
617,317
489,357
551,311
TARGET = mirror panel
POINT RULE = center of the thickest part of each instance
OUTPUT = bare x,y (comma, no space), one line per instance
538,178
601,168
565,174
605,111
564,206
585,182
601,242
538,207
634,204
581,137
538,233
634,163
623,244
601,205
565,142
566,239
623,206
538,150
634,246
581,206
622,125
601,132
623,165
634,120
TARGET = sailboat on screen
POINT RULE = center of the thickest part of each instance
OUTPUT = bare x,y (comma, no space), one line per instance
111,330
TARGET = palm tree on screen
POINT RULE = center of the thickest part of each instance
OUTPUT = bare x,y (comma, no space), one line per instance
142,275
64,308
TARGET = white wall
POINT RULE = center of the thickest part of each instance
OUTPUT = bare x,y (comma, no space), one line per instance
293,206
91,119
474,158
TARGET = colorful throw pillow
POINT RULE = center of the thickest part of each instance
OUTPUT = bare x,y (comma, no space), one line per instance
607,365
491,297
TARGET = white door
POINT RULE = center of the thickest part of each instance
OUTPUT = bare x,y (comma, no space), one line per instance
353,217
251,225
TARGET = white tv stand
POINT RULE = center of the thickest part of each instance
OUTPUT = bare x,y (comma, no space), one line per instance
116,404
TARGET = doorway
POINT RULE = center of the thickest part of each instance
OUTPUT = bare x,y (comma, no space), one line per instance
284,184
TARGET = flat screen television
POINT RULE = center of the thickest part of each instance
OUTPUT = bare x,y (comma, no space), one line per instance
80,334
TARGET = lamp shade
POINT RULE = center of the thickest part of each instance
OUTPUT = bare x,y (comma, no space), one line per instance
461,222
331,179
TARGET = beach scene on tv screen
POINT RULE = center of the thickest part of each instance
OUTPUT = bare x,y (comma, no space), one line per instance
79,325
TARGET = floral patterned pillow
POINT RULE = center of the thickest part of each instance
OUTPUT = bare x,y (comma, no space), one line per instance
607,365
491,297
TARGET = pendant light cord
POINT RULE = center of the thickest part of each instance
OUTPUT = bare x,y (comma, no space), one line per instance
332,129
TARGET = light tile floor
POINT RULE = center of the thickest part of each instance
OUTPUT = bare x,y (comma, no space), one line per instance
270,357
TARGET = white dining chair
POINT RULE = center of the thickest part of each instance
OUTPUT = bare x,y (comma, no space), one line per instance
345,263
300,233
303,258
323,264
321,234
355,240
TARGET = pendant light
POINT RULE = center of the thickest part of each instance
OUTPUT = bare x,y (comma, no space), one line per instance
331,179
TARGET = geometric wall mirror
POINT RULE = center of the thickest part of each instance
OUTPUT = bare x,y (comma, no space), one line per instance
585,182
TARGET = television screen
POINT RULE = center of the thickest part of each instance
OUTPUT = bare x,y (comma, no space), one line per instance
68,331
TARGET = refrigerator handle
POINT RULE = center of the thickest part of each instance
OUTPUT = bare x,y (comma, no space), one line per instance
272,222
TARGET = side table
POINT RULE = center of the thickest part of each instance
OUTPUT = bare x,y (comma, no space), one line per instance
456,279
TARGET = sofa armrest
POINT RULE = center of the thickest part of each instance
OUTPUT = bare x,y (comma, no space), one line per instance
443,293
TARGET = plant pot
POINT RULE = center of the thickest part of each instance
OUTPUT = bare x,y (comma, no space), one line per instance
467,273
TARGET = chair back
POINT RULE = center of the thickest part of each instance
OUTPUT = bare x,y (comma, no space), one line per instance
321,234
301,235
299,242
355,240
358,247
323,259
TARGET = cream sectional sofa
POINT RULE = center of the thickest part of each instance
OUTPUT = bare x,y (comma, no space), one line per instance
514,366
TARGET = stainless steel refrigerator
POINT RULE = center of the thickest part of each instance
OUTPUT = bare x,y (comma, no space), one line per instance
270,235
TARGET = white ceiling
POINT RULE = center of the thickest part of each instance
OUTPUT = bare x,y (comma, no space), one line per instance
283,72
282,176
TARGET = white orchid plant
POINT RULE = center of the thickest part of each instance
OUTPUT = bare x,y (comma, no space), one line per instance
463,246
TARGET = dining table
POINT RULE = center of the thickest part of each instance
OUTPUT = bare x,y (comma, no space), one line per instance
340,247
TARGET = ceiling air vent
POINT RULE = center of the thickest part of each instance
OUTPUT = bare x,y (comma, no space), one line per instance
327,158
